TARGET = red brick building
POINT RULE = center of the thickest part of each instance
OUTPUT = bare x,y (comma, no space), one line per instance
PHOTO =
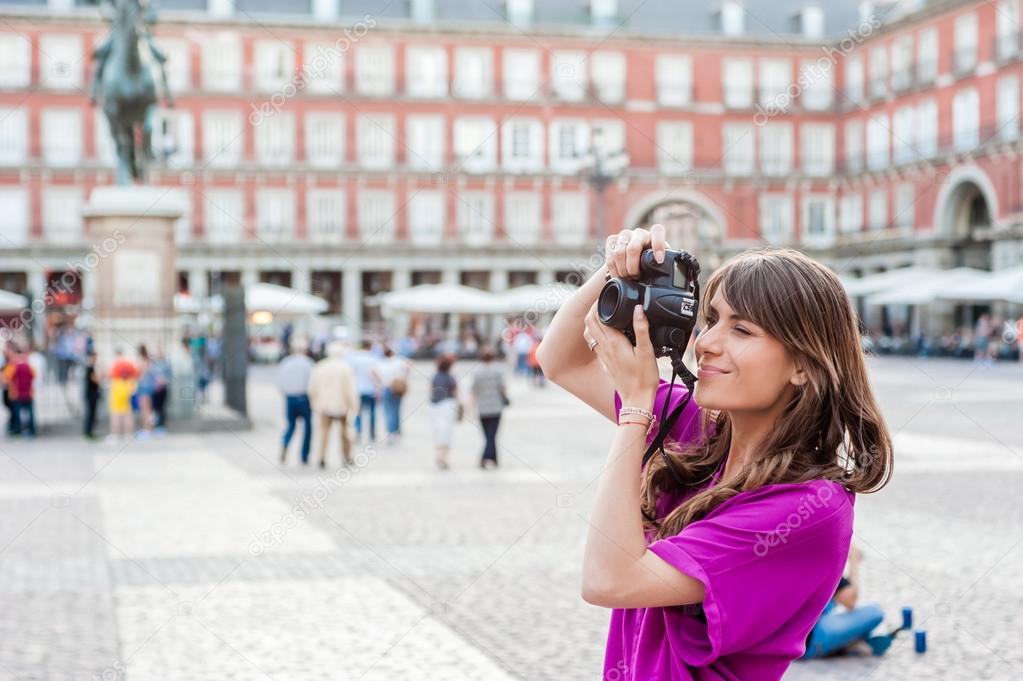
345,151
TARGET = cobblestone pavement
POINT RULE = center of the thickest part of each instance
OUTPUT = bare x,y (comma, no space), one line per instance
199,558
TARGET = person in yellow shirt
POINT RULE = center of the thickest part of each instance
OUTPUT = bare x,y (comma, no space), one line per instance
123,378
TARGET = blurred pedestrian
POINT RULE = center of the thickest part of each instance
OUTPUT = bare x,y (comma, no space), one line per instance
367,381
7,376
144,389
90,394
162,376
444,408
394,374
535,371
23,382
123,375
523,344
293,374
490,396
333,396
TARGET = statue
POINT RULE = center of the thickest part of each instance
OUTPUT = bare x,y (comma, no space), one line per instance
123,85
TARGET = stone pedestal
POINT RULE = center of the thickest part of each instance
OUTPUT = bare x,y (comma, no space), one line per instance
132,267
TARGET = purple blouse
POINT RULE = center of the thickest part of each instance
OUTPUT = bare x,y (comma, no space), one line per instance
769,560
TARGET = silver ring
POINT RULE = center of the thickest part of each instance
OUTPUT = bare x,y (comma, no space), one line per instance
592,344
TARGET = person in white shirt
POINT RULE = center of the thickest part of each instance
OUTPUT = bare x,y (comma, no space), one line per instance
364,363
393,372
293,381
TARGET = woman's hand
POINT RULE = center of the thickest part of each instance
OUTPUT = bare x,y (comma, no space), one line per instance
632,370
624,249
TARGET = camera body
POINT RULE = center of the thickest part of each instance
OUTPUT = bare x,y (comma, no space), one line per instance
669,293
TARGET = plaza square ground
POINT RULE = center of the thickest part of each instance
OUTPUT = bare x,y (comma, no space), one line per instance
201,558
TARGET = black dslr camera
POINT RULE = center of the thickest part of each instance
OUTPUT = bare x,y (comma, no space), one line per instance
669,293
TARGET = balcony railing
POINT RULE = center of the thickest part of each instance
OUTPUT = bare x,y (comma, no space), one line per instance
964,60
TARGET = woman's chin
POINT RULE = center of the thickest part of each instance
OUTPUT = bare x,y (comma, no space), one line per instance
704,398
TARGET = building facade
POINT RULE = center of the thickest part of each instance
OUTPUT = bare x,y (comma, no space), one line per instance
347,154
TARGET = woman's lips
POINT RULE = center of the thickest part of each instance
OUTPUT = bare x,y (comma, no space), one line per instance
707,372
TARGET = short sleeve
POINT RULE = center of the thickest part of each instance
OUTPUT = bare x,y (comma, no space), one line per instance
769,560
687,427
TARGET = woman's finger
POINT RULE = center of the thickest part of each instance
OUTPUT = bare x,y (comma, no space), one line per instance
621,263
641,326
657,241
634,251
609,255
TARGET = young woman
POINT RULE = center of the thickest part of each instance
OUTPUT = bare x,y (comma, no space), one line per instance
719,556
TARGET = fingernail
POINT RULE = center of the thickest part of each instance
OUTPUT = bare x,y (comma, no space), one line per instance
659,256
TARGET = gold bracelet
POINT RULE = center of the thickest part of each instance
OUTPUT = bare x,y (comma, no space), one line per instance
637,411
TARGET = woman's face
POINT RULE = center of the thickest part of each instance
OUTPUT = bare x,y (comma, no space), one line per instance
741,367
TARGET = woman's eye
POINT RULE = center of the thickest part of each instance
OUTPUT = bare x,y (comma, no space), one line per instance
742,330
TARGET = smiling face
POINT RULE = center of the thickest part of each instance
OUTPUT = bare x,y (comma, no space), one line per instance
741,366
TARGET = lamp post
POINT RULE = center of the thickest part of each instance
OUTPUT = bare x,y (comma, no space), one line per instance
600,167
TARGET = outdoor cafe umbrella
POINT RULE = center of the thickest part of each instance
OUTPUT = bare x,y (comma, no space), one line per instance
1004,285
12,302
923,289
884,281
536,297
441,299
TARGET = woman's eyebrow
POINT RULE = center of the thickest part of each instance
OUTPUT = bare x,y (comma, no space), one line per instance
731,315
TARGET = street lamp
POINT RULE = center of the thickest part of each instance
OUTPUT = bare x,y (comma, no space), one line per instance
600,168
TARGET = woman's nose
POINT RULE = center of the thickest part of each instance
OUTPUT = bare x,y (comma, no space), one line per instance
705,342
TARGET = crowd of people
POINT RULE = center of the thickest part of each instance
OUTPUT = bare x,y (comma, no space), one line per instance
990,339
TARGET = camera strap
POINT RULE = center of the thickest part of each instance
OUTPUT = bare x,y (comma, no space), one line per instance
667,422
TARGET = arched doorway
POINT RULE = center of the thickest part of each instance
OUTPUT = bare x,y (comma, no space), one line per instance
691,223
967,215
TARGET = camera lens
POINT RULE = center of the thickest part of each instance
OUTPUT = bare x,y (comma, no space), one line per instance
614,306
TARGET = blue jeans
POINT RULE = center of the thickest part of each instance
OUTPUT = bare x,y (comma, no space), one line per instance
298,408
26,417
392,412
835,631
367,402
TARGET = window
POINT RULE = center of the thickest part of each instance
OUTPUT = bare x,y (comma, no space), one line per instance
818,220
877,142
62,136
674,146
275,64
377,216
818,148
674,76
60,61
521,74
475,143
737,142
927,129
324,68
854,78
1008,107
737,83
14,208
570,212
476,218
775,79
474,68
903,134
966,120
776,148
850,213
275,139
522,217
15,60
426,218
902,62
854,146
905,205
13,136
425,142
62,214
222,137
568,75
325,139
608,73
325,215
224,211
965,43
426,71
173,138
375,140
817,84
374,70
1008,27
927,55
275,213
879,72
569,141
522,144
608,135
222,62
776,218
878,218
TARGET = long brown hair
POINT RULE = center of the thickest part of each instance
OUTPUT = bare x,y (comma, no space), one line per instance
831,429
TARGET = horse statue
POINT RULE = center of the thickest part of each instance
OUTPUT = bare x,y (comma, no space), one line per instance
123,84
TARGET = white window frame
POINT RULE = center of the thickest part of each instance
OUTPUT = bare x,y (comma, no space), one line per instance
474,212
879,71
374,69
569,75
774,80
570,216
817,148
775,148
903,135
62,214
426,71
324,68
854,79
521,74
15,60
274,65
60,61
674,147
560,162
1007,28
377,209
222,62
474,72
817,84
221,153
13,135
927,128
331,125
1008,106
275,214
877,211
523,215
826,236
776,212
738,145
904,208
674,79
275,140
927,55
608,74
737,82
224,215
326,215
965,38
514,130
966,120
424,141
14,206
61,133
375,135
475,143
850,212
854,145
426,215
878,142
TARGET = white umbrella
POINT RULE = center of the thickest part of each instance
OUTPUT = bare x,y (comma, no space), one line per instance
441,299
12,302
1001,285
536,297
923,290
883,281
281,300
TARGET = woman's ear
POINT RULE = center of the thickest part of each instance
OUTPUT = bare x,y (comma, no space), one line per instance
799,378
